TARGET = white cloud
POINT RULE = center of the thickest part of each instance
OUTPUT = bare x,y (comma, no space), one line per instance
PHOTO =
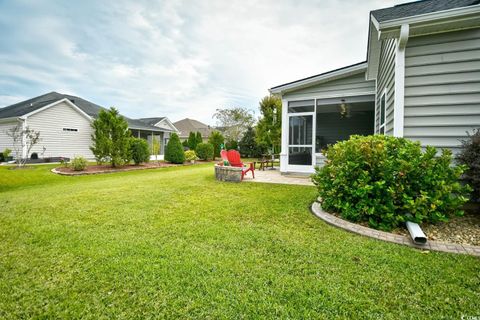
175,58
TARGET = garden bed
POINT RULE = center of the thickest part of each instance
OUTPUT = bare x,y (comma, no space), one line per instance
106,168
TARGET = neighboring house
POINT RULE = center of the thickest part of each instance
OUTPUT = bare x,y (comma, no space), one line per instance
187,125
162,123
64,123
421,81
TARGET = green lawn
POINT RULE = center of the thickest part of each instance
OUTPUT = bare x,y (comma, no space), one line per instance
174,243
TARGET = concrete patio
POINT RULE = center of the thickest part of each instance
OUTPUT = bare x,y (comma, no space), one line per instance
274,176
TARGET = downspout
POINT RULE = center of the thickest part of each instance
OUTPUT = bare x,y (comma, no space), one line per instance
399,103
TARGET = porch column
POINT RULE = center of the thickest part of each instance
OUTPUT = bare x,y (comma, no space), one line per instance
284,151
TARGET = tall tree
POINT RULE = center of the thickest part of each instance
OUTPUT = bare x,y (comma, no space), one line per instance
234,122
111,138
269,127
248,145
217,140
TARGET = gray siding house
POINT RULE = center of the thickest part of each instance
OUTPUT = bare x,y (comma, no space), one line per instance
421,81
64,123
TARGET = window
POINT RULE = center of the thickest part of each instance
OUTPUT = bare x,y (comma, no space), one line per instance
382,105
301,106
70,129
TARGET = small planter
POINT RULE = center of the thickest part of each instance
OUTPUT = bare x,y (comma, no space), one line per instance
227,173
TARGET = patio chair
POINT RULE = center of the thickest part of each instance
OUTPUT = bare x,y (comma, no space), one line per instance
234,159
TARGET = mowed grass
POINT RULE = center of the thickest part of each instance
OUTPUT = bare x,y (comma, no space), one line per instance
175,243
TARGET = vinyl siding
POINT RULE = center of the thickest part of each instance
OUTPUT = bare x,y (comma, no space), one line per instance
442,87
5,140
58,143
386,80
355,84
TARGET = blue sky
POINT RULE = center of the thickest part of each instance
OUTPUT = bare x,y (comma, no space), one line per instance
174,58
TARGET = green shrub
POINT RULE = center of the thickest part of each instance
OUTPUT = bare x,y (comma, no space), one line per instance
139,150
205,151
78,163
470,156
190,155
382,179
174,150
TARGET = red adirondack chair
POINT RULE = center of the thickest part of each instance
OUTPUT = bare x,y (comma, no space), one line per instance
234,159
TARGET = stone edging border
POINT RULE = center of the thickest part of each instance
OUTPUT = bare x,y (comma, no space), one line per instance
85,173
390,237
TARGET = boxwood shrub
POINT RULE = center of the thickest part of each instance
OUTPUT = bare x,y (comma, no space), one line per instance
381,179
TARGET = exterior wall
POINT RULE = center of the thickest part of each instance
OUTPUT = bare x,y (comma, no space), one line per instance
386,83
57,142
5,140
442,87
348,86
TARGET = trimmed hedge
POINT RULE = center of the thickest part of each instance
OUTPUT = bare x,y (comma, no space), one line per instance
204,151
382,180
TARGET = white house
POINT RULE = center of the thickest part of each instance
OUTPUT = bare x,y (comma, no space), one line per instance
64,123
421,81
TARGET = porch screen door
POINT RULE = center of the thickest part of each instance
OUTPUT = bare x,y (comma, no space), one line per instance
300,140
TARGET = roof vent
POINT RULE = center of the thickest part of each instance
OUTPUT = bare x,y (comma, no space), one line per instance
72,100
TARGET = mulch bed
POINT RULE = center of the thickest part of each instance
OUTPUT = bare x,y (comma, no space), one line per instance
95,169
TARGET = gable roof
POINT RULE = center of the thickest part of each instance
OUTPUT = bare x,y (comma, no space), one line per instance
91,109
419,7
185,126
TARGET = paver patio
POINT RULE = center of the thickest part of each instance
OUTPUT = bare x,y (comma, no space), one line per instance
274,176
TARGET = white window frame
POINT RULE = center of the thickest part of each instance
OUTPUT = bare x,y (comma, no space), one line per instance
383,125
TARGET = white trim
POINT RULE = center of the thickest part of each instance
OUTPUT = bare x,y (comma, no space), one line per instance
67,101
362,67
399,96
174,129
384,124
